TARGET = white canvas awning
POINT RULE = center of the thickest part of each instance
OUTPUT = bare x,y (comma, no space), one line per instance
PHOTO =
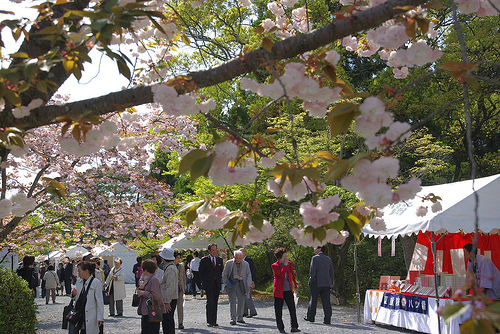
458,202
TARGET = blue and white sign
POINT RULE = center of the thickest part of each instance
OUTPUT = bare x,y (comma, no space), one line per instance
415,304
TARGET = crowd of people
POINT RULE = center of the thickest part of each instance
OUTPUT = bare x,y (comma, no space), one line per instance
163,281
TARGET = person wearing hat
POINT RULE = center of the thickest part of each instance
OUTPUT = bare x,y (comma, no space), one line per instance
169,289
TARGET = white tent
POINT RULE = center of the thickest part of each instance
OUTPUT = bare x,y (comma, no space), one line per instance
8,259
118,250
458,210
181,242
76,252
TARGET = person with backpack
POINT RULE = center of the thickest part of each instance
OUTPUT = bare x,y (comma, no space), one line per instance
137,270
28,273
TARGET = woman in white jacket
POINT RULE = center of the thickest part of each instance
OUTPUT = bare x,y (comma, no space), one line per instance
93,304
116,288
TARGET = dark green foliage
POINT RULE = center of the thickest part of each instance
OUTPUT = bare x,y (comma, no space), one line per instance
17,306
371,266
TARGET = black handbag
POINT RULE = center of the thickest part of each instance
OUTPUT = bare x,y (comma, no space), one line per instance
74,316
105,296
135,300
66,310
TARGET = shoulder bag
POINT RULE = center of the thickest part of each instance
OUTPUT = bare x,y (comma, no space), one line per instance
75,316
66,310
155,314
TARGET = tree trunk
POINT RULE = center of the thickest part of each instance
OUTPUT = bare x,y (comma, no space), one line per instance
408,242
338,254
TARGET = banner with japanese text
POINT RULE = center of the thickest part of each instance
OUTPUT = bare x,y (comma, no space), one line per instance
417,304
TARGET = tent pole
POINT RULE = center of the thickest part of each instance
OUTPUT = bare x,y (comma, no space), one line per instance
433,244
358,302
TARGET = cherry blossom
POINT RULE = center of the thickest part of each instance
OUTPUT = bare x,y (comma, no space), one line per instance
317,216
421,211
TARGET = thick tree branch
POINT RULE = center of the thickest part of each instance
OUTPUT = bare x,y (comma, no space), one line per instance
250,62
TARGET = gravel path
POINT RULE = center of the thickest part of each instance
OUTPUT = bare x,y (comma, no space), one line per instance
343,320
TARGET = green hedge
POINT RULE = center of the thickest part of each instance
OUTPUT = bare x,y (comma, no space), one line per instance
17,305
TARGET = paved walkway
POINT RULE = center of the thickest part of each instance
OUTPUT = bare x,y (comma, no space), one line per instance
344,320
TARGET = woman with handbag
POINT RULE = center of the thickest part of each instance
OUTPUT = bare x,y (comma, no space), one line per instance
149,292
115,283
89,305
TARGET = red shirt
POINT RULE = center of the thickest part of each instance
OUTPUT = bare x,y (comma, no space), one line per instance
279,272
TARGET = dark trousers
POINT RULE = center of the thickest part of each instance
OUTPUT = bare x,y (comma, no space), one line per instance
149,327
196,281
42,287
168,323
212,302
278,310
324,292
67,285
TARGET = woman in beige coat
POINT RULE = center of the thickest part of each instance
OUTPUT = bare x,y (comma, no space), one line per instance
51,283
115,283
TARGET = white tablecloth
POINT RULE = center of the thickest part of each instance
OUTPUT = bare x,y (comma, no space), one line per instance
426,323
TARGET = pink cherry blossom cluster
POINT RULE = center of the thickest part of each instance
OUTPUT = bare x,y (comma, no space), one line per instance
212,218
176,105
89,210
24,111
369,181
96,139
373,118
293,193
255,234
307,239
479,7
267,162
320,215
297,84
222,173
17,205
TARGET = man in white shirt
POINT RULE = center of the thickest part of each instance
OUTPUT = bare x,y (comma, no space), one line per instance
195,268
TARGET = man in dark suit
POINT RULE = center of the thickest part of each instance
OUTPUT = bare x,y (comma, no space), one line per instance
68,276
320,283
249,310
211,268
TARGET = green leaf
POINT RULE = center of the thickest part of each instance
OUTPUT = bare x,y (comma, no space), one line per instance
12,97
189,205
355,225
19,55
340,118
97,25
202,207
452,311
337,171
320,233
191,215
257,220
188,160
201,167
477,326
338,224
231,223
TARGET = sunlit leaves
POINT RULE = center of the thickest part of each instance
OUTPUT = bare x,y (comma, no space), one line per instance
11,137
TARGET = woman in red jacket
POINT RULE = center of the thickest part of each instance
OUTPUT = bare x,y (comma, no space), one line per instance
283,287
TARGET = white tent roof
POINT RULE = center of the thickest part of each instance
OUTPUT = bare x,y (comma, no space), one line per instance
182,242
458,209
74,252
